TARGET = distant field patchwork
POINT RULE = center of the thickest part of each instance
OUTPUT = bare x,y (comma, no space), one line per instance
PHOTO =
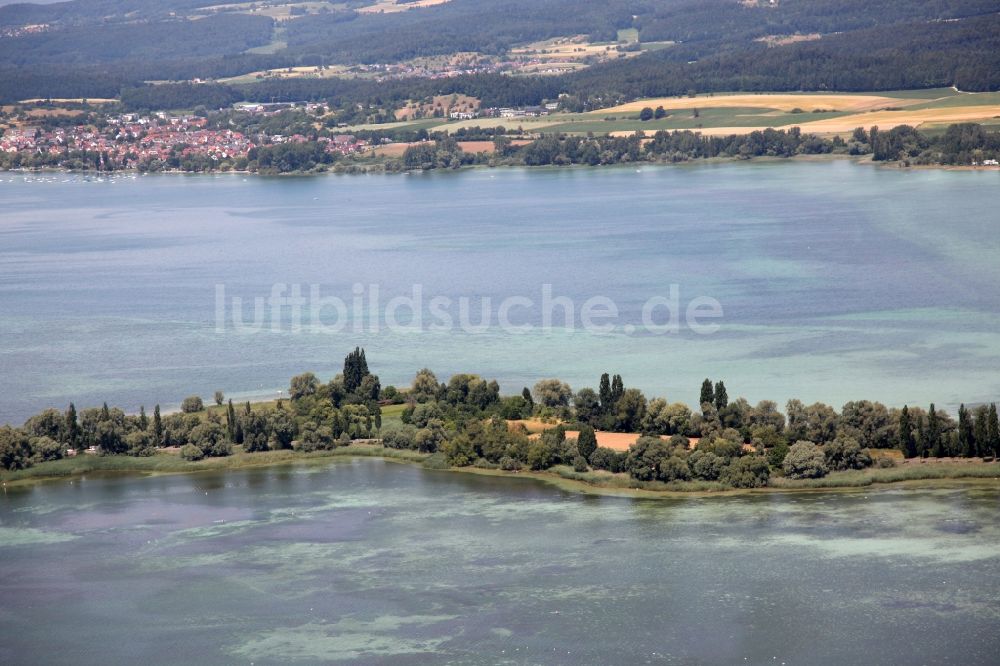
821,113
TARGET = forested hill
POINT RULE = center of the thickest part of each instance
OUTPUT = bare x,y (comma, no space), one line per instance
95,48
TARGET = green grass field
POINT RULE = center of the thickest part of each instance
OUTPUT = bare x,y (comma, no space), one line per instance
392,416
925,93
976,99
684,119
628,35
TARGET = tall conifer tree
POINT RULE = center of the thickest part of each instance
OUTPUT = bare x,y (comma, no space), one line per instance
721,397
993,432
72,427
157,427
604,393
906,443
707,393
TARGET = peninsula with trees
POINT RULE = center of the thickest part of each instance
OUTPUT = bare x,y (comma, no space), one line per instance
610,438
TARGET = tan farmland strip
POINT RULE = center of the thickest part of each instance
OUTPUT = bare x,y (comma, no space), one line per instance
886,119
782,102
882,119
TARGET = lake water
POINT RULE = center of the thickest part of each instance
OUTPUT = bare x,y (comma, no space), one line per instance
388,563
837,281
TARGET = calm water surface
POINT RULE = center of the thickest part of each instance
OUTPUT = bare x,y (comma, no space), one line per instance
837,281
384,563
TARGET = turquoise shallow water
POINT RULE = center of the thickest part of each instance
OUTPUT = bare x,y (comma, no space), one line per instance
374,562
837,281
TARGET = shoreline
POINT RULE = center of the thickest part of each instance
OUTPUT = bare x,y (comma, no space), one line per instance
378,168
904,477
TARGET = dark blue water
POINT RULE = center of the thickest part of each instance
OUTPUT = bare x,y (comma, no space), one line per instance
836,281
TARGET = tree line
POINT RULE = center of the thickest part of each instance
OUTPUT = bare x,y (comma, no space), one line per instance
467,421
965,143
317,416
959,144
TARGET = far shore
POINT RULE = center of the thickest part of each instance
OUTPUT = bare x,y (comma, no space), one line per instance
368,168
930,473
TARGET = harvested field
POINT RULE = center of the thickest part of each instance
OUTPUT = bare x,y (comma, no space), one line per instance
43,113
782,102
846,124
617,441
392,149
916,118
397,150
391,6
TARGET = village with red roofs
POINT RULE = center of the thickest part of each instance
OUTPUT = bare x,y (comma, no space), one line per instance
129,141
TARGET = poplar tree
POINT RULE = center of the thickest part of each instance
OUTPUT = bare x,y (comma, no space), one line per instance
934,443
617,390
993,433
143,420
231,421
906,443
721,397
604,393
526,394
981,431
707,393
921,439
157,427
72,427
966,447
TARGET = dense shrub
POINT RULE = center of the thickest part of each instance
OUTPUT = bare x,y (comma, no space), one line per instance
192,452
845,453
805,460
776,454
459,451
211,439
45,448
674,468
400,438
509,464
706,465
608,459
15,450
192,404
541,454
746,472
140,443
645,456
